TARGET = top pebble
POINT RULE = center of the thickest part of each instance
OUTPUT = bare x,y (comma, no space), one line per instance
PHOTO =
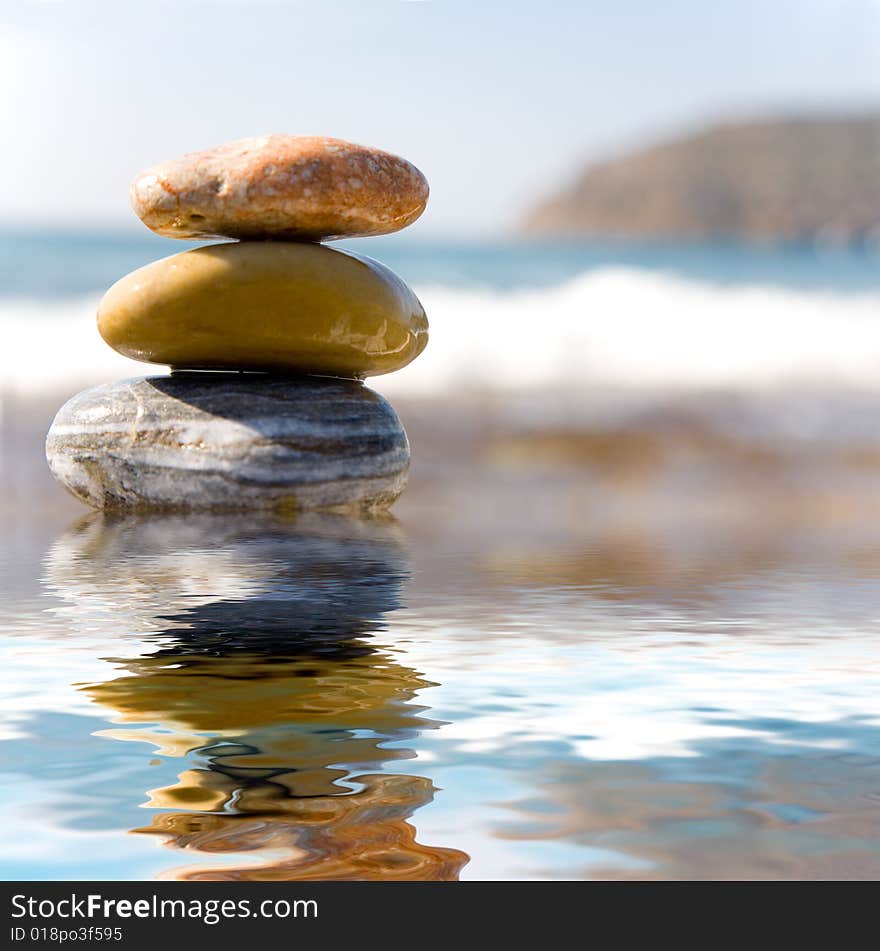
282,187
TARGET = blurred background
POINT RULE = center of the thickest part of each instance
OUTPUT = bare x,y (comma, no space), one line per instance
641,533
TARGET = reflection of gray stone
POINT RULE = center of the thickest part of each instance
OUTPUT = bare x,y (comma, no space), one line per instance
230,441
257,628
229,581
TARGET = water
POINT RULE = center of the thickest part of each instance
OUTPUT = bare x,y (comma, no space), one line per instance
228,697
512,315
57,265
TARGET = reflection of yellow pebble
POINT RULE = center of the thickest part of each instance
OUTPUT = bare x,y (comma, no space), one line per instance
262,306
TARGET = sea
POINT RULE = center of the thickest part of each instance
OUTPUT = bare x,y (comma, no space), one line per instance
624,623
515,314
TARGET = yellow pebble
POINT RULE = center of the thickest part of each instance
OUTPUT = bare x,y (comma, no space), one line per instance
264,306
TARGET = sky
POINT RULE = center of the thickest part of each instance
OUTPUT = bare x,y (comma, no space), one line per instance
499,102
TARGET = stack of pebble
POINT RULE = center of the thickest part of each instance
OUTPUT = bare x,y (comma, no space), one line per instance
299,323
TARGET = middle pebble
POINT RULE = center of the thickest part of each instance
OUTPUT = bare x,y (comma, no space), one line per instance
263,306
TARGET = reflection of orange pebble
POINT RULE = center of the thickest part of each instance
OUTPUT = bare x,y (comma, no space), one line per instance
357,837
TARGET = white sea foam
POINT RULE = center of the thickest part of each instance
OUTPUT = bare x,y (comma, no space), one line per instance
629,327
52,345
610,326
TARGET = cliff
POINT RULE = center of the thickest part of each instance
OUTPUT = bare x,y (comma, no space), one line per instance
786,180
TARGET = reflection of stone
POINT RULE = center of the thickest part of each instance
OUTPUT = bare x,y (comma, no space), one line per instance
269,681
317,573
363,836
306,721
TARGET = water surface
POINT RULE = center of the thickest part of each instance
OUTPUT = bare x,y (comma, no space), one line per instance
233,698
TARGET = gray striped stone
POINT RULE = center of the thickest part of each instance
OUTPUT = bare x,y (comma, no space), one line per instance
230,441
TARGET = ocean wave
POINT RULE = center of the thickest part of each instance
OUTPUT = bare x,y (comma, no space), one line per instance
613,326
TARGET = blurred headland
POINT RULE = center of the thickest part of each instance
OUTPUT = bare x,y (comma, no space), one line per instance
788,179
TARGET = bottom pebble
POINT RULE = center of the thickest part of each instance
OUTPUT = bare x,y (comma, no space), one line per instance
230,441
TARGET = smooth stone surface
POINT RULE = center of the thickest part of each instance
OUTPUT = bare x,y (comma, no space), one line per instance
262,306
230,441
289,187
